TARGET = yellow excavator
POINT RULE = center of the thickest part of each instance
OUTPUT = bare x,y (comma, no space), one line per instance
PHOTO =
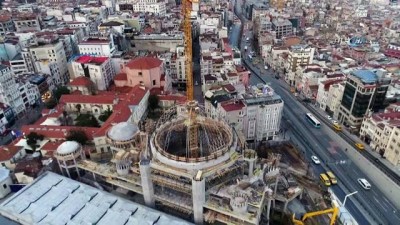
334,211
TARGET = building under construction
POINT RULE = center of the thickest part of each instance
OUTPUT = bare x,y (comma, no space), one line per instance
209,179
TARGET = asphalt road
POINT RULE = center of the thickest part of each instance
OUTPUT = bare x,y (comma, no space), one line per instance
367,207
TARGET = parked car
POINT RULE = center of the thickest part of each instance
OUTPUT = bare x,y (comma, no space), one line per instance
315,160
329,117
6,132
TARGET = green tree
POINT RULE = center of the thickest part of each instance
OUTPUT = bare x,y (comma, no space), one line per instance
153,102
63,90
32,139
51,103
78,107
104,116
77,135
86,120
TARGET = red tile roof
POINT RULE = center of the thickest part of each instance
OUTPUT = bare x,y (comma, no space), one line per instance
9,151
81,81
56,132
144,63
88,99
91,59
121,76
229,88
230,106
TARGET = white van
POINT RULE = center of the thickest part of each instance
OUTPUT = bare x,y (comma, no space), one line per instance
364,183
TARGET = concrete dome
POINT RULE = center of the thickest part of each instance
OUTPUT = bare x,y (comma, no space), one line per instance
123,131
68,147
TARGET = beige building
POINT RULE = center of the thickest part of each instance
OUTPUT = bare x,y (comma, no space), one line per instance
382,132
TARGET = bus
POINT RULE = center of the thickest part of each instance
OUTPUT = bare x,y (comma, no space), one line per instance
324,178
332,177
337,127
310,117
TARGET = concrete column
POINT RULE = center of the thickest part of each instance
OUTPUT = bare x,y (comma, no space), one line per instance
147,183
199,198
251,168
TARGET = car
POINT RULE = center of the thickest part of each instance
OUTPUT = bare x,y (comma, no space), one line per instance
266,67
5,132
335,122
196,83
329,117
360,146
315,160
364,183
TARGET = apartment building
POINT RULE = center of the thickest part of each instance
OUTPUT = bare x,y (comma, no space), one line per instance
364,90
9,92
299,55
158,42
330,93
282,27
50,58
393,50
26,22
98,69
382,132
6,24
157,7
97,46
263,113
7,117
29,92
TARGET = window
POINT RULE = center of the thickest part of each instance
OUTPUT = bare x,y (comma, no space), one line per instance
154,82
140,74
5,186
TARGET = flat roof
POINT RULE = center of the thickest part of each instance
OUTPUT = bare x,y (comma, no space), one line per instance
366,76
57,200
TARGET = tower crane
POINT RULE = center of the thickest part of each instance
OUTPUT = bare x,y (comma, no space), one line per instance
192,141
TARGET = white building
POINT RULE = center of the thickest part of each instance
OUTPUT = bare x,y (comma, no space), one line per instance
263,113
97,47
5,182
382,132
29,92
98,69
149,6
51,59
9,93
329,97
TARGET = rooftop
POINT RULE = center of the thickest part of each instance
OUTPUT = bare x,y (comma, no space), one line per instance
144,63
365,76
54,199
123,131
91,59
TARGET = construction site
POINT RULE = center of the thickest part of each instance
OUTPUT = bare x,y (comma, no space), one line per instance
196,168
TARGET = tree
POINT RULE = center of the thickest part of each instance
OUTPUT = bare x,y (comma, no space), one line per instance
153,102
104,116
86,120
77,135
63,90
78,107
32,139
51,103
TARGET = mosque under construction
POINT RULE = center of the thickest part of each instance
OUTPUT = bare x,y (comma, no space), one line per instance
210,179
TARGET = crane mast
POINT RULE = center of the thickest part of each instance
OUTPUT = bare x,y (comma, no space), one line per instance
192,137
187,29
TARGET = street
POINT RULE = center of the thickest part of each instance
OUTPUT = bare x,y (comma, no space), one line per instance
375,206
30,117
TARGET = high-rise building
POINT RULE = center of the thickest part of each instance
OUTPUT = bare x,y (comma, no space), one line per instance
364,90
9,92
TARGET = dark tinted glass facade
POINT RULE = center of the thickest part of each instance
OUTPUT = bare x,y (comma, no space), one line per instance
348,96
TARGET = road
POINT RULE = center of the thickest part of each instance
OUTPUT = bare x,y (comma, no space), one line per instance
367,207
29,117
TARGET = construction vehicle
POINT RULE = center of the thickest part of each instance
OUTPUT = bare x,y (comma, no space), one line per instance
334,211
